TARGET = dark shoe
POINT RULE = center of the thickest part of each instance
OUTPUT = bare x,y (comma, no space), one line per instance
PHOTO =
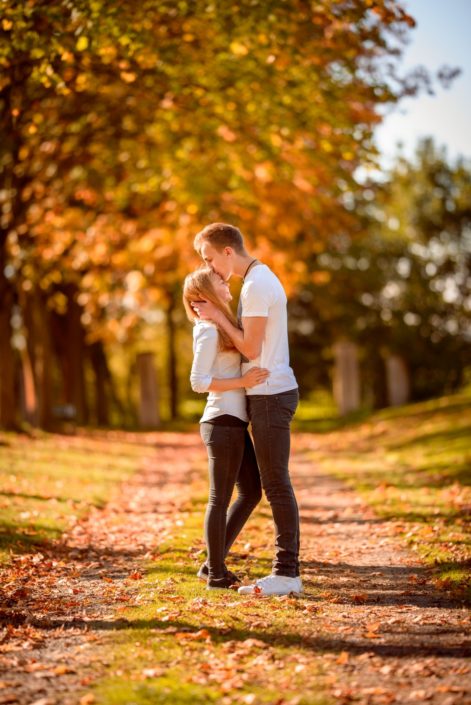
203,572
225,583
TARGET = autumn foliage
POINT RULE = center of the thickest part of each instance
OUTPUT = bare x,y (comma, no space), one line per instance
125,127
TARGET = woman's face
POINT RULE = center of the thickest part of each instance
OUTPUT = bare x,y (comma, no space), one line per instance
221,288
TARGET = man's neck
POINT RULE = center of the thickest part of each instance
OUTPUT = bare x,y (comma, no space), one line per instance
241,265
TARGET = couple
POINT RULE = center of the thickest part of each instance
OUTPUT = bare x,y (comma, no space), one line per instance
244,365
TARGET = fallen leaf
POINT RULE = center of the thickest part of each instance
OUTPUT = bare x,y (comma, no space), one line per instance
87,699
152,672
373,627
343,658
193,636
360,599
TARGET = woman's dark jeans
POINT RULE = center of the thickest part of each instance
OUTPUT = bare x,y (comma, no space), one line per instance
270,416
232,462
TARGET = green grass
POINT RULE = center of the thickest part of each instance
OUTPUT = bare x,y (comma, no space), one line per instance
49,479
413,465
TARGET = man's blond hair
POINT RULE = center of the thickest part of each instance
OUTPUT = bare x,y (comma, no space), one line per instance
219,236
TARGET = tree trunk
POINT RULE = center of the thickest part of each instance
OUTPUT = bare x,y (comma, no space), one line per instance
102,379
38,325
8,401
148,391
398,382
69,342
172,358
346,376
29,405
13,185
75,382
375,377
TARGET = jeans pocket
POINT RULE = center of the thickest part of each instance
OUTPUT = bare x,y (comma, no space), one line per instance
286,405
206,432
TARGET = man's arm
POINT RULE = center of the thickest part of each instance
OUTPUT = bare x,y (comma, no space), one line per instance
247,341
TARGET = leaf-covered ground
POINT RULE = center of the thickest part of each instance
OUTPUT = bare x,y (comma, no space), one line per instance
111,612
413,465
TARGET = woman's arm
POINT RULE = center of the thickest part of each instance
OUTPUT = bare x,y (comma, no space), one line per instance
206,344
225,385
256,375
205,351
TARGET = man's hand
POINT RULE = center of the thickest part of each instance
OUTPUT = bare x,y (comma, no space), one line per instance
206,311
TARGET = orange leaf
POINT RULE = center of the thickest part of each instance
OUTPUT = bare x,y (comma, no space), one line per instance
360,599
373,627
343,658
194,636
87,699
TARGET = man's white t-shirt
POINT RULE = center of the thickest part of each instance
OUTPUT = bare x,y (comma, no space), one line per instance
262,294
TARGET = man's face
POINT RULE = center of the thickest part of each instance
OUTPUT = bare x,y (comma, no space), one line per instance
219,261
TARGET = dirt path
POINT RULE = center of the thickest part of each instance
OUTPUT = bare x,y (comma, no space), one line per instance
58,604
382,633
389,636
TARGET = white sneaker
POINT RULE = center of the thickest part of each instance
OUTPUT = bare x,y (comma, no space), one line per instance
273,585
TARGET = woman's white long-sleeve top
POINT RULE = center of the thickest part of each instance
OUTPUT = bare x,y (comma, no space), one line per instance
210,363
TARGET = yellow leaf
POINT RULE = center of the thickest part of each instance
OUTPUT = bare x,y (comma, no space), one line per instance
82,43
238,49
128,76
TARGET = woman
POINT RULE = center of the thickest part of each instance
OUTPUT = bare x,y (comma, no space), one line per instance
223,426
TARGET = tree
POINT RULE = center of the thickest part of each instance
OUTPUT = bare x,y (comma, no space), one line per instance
126,128
402,286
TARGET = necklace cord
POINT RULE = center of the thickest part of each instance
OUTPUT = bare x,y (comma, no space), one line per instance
247,270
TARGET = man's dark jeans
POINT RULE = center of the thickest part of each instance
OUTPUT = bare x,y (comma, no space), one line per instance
270,416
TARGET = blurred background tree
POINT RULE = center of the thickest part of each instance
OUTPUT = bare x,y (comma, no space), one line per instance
400,287
125,129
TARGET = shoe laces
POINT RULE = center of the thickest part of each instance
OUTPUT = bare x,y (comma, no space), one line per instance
270,578
267,579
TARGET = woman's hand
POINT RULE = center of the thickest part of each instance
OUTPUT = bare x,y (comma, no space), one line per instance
254,376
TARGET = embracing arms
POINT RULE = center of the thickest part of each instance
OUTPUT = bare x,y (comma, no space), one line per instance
256,375
249,340
206,348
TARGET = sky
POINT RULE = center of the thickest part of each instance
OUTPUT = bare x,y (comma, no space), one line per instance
442,36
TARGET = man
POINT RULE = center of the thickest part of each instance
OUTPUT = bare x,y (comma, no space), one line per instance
263,342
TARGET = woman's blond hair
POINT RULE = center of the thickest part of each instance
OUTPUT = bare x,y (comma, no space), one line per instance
198,286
